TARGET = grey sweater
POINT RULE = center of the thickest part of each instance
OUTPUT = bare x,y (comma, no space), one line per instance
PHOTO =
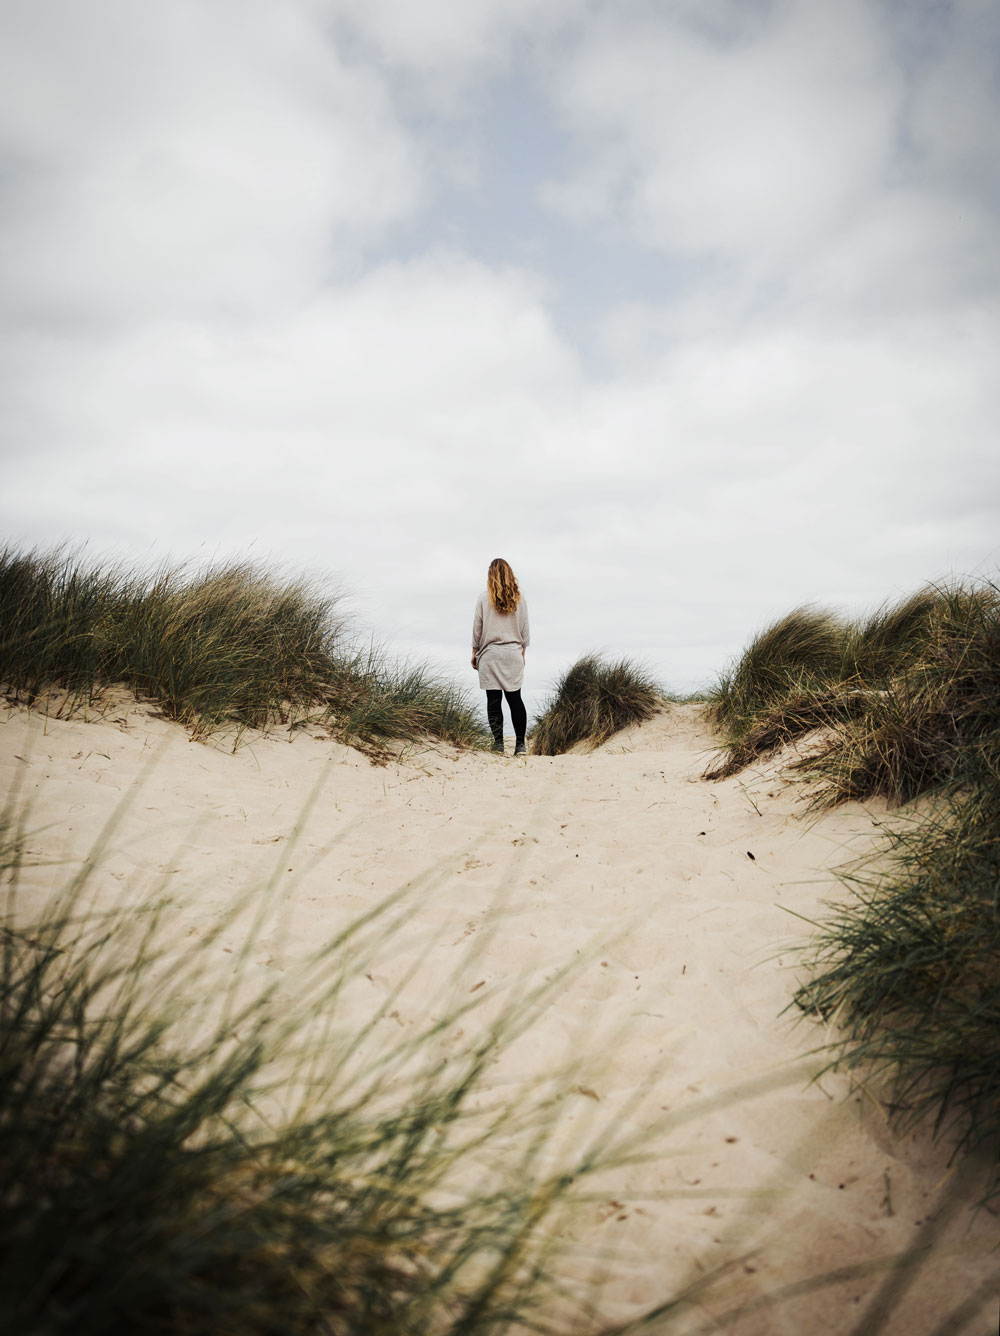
490,627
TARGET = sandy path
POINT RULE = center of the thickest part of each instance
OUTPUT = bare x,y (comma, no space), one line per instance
624,857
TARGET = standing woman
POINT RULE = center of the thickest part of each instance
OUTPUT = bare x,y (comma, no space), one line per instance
499,639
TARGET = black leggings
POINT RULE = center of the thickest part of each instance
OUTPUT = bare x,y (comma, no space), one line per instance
518,714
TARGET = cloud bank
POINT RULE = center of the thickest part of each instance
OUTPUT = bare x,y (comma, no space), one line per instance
690,311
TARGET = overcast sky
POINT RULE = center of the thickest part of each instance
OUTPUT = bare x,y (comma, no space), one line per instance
688,308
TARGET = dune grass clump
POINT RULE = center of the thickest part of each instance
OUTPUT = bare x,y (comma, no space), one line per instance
182,1153
878,646
930,717
909,967
228,645
369,698
793,657
807,706
901,694
783,685
592,701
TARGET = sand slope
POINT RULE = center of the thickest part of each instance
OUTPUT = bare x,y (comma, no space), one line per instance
624,856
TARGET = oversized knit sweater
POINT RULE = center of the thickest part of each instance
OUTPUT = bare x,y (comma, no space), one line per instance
490,627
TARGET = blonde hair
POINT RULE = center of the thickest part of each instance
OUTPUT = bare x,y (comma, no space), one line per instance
502,586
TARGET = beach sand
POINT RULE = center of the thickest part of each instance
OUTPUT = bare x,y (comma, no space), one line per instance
676,899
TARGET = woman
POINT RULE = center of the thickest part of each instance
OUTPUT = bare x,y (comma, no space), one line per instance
499,639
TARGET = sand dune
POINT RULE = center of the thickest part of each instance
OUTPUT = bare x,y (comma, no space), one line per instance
672,895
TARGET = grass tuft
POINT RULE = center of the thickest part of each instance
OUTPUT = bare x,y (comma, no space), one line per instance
909,704
902,694
910,969
230,645
592,701
185,1152
797,653
938,707
895,635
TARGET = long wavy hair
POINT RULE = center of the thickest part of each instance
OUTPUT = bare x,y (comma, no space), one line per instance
502,586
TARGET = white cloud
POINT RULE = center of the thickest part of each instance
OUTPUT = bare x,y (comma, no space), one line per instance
748,146
447,50
214,347
182,158
366,403
410,428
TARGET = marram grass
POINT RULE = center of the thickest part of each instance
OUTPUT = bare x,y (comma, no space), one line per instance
183,1152
796,653
222,647
901,695
909,968
931,717
592,701
907,702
